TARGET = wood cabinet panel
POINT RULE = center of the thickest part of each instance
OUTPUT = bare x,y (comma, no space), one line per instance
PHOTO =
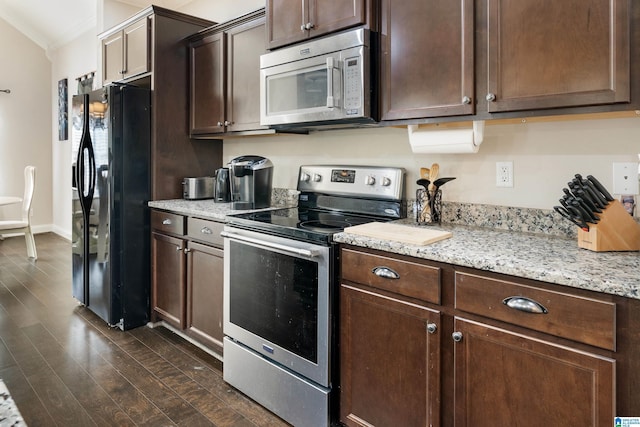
204,294
579,319
502,378
136,48
167,222
167,279
205,231
413,280
556,54
290,21
112,54
427,58
207,84
389,362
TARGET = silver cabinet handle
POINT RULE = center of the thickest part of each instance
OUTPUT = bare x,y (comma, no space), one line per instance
178,248
466,100
432,328
457,336
206,230
166,221
491,97
227,123
187,250
219,123
308,26
385,273
302,27
525,304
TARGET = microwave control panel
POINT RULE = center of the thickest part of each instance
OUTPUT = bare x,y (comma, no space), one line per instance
352,86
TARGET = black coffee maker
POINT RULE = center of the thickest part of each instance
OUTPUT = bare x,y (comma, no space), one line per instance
250,180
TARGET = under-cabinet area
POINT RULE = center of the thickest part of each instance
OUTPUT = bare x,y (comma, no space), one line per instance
448,345
187,276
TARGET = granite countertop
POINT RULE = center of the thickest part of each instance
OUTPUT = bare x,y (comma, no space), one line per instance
207,209
548,258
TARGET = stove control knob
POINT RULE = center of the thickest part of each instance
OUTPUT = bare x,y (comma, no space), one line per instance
386,181
370,180
317,177
305,177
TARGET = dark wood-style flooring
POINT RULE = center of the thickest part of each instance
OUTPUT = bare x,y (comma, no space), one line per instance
64,367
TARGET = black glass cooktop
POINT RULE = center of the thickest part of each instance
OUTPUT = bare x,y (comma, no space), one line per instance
299,223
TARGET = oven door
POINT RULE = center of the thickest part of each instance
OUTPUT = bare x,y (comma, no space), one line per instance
277,300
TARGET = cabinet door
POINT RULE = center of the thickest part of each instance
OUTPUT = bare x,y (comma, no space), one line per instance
207,85
557,53
204,289
503,378
284,21
136,48
112,56
325,17
167,276
427,58
389,362
245,45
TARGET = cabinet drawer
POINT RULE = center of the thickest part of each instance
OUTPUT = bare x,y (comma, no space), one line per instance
581,319
205,231
167,222
402,277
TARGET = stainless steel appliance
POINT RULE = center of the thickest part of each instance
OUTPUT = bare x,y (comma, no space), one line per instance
280,288
223,186
250,182
319,84
111,188
202,187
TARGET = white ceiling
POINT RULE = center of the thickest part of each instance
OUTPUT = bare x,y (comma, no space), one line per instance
52,23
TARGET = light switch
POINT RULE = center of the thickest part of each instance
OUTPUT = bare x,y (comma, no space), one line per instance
625,178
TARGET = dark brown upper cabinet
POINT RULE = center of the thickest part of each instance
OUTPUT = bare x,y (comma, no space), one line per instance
291,21
225,77
482,59
427,67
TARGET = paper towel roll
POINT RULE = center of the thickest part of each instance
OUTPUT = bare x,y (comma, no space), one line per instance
446,141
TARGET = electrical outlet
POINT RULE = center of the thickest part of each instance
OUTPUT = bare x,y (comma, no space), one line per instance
504,174
625,178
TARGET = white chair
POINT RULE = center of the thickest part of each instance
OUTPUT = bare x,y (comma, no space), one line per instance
24,225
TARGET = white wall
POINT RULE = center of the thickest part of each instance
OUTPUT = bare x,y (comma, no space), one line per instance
545,156
26,122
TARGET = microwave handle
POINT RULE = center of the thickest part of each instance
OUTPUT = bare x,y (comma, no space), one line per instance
331,67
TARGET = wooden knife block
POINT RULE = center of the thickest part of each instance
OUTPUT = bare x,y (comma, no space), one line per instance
616,231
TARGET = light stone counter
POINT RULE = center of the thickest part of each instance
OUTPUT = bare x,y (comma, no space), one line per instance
548,258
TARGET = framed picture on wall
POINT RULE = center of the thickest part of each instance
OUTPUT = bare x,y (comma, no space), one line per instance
63,122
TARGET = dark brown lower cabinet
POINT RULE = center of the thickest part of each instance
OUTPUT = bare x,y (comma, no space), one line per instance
474,353
167,278
204,294
503,378
187,276
389,360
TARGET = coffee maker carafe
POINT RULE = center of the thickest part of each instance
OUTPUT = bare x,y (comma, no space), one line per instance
250,178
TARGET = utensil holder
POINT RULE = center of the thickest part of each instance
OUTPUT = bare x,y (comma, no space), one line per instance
429,207
616,231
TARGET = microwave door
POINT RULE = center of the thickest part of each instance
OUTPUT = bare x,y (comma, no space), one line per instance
303,91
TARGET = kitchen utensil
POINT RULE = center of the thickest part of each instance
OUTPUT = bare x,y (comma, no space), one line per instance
600,188
424,183
433,175
573,216
223,191
424,173
399,232
442,181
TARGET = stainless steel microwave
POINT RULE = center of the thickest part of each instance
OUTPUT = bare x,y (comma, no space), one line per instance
323,83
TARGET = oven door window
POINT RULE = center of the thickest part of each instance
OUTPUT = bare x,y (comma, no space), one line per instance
275,296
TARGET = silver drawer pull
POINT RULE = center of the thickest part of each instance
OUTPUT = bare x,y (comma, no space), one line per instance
166,221
385,273
206,230
525,304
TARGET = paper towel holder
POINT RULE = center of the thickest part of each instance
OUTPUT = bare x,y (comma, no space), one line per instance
421,137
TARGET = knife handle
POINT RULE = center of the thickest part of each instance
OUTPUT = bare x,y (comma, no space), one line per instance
600,188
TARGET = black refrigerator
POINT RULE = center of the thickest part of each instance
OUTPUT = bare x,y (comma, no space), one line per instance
111,133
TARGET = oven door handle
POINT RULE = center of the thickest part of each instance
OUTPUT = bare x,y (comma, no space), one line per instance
297,251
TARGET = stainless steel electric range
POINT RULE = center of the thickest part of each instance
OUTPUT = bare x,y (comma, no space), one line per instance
281,287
